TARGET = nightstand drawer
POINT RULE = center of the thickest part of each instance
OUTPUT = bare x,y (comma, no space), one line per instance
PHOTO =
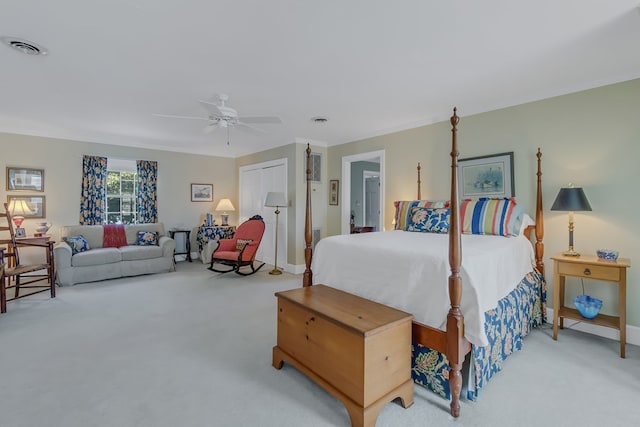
600,272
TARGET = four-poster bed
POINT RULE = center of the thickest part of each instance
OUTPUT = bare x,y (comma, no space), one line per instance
451,341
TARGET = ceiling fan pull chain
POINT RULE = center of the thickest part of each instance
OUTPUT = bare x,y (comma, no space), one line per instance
228,134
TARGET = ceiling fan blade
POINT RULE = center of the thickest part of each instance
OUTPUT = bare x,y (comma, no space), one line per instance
211,107
210,127
251,129
261,119
171,116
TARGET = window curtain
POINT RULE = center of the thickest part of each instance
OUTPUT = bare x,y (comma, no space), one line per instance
94,190
147,203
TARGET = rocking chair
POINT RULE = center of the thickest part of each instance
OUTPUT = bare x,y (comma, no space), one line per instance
240,251
18,276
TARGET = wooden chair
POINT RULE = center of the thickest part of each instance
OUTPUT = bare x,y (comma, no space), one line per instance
240,251
18,276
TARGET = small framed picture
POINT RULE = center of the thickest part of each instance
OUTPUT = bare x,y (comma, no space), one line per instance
25,179
202,192
334,188
486,176
34,204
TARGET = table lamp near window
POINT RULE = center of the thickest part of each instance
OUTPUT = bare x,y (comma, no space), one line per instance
571,199
276,200
19,208
224,206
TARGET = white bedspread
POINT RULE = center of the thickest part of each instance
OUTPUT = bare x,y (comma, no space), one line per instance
409,271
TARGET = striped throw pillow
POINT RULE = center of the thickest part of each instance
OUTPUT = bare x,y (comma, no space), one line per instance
487,216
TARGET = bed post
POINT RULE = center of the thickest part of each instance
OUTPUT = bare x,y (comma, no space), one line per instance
539,231
307,277
419,182
455,320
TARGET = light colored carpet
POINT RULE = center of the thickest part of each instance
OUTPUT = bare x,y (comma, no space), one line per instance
193,348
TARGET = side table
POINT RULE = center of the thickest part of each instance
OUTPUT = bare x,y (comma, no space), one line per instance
187,244
590,267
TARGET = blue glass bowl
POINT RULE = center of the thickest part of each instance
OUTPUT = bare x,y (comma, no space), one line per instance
607,254
588,307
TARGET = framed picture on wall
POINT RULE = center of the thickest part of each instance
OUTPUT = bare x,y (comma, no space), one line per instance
202,192
486,176
25,179
334,187
36,205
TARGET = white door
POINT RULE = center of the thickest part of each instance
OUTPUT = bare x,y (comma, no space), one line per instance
255,182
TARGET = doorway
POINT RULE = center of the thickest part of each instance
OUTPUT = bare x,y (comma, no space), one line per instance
371,199
354,200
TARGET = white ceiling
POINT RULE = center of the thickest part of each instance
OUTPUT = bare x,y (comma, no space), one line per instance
370,66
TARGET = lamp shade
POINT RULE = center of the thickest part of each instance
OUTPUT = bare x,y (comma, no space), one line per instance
276,200
225,205
571,199
19,207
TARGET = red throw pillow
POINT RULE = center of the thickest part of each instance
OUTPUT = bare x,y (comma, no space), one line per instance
114,236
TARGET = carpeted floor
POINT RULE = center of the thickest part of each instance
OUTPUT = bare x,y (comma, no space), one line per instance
193,348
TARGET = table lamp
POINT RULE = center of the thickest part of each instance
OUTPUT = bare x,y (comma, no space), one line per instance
19,208
276,200
225,205
571,199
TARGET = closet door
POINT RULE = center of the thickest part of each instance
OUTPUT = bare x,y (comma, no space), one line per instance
255,182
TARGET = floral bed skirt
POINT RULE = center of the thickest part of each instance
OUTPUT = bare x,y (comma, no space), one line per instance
506,326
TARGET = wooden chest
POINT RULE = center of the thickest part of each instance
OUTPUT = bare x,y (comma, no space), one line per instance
356,349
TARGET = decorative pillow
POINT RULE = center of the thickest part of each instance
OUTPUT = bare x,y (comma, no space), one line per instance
147,238
487,216
403,210
241,243
429,220
78,244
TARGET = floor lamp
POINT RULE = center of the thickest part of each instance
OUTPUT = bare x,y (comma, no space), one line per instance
276,200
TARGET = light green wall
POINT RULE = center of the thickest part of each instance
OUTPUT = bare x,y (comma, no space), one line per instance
62,163
590,138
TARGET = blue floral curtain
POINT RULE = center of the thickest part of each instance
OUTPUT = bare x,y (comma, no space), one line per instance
147,203
94,190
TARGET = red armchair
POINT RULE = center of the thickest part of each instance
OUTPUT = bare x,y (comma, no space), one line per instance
240,251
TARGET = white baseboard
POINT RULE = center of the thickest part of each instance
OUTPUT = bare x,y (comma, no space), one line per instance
633,332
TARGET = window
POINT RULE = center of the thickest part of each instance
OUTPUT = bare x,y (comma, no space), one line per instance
121,192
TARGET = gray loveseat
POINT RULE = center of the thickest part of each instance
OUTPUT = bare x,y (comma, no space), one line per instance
100,263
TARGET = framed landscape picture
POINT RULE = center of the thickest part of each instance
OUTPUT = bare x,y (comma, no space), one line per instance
19,179
486,176
35,203
202,192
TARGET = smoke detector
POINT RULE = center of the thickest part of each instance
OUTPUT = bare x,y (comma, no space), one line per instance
25,46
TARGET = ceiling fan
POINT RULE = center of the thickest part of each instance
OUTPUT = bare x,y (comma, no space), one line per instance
223,116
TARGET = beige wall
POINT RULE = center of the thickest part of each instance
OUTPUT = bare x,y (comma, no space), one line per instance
62,162
590,138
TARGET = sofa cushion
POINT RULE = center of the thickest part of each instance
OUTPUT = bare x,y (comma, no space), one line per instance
96,257
147,238
135,252
92,233
77,244
131,231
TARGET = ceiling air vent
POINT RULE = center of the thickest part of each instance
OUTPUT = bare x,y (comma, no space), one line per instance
24,46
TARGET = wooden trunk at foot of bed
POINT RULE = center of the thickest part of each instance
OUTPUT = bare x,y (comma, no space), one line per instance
452,342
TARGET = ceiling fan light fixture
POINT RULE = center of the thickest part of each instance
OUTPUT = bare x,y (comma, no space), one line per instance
24,46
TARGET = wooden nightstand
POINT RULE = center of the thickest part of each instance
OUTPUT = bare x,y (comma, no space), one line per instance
590,267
